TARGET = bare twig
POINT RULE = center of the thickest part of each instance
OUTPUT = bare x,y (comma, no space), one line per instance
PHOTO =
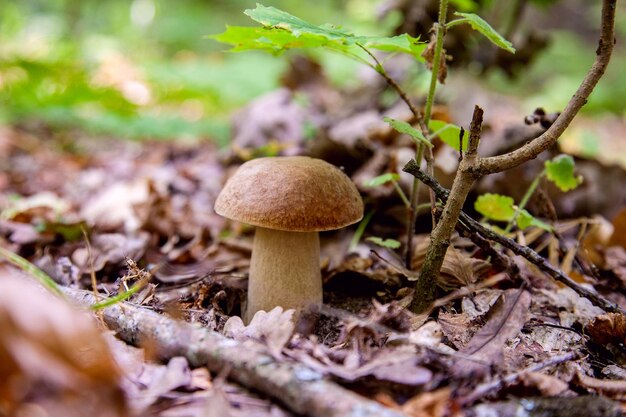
426,284
549,137
523,251
421,152
300,388
393,84
472,167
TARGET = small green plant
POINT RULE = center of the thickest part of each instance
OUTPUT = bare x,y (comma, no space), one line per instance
501,208
32,270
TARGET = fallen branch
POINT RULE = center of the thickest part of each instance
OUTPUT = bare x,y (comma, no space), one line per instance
523,251
299,388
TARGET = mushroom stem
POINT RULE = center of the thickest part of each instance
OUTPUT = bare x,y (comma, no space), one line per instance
284,271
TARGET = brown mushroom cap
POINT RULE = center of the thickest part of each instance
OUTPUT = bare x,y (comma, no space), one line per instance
295,193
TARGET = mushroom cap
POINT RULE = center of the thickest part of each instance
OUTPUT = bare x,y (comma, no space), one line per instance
294,193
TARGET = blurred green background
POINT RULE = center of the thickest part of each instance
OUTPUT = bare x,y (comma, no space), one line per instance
144,68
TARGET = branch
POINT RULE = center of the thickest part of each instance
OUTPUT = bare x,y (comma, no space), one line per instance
426,285
549,137
523,251
300,388
393,84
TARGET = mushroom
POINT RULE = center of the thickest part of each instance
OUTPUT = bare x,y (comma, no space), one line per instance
289,200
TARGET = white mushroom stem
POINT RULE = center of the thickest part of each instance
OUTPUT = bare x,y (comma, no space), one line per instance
284,271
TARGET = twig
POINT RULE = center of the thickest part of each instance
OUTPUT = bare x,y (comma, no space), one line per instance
440,29
420,153
510,244
549,137
426,284
392,83
483,389
298,387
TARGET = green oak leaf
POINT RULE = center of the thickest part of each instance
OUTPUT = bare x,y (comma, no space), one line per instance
560,170
282,31
404,127
479,24
273,17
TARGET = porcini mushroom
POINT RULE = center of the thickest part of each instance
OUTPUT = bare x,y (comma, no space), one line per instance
289,200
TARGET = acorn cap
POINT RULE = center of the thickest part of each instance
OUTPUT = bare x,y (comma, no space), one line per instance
294,193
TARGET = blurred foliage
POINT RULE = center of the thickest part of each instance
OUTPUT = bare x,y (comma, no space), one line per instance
136,69
144,68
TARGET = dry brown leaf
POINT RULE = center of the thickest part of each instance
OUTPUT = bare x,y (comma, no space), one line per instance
397,364
608,328
458,269
52,355
274,328
429,56
110,248
458,328
430,404
547,385
504,321
615,261
113,207
618,237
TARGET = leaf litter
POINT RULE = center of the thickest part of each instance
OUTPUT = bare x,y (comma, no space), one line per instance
83,212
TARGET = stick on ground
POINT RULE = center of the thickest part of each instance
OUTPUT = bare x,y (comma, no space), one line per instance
299,388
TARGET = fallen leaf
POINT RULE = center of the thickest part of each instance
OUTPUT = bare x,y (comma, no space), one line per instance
273,328
458,269
504,321
113,207
607,328
110,248
615,261
547,385
437,403
52,355
618,237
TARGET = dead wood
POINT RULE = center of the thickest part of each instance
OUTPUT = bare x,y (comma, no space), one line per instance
298,387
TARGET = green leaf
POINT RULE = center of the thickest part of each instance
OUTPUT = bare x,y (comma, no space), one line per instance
407,129
477,23
560,170
282,31
495,207
401,43
525,220
385,243
449,133
502,208
382,179
272,40
273,17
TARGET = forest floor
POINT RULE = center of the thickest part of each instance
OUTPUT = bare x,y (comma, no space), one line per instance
101,214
